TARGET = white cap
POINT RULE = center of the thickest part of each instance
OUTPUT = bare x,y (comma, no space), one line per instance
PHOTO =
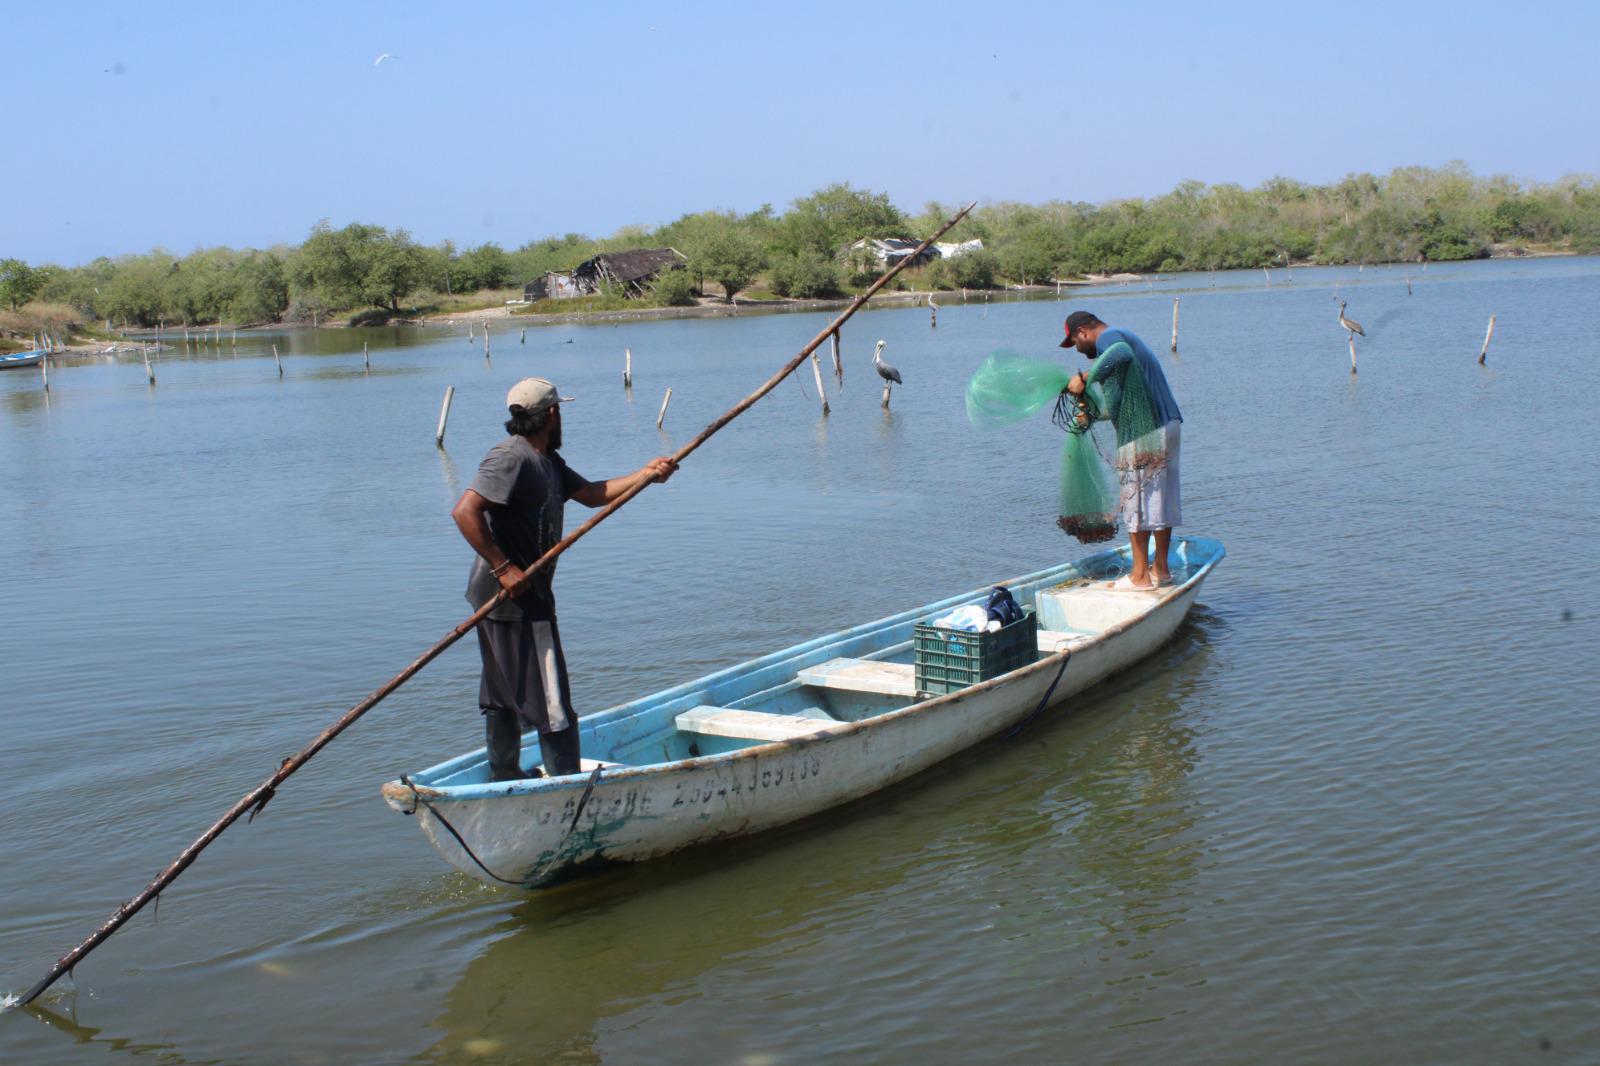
534,394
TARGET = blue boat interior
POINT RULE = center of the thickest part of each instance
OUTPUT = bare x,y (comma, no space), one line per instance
841,678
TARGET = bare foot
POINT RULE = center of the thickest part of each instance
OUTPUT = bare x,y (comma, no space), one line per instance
1126,581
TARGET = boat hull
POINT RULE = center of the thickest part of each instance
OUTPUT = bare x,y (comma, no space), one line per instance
21,359
528,836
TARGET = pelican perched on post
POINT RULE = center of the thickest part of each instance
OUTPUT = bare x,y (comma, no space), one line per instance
1354,327
891,376
1349,323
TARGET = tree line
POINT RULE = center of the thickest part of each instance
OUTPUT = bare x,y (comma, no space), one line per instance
1412,213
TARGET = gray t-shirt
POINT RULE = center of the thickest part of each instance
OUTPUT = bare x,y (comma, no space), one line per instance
526,489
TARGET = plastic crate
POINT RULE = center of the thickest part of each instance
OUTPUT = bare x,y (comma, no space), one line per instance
948,660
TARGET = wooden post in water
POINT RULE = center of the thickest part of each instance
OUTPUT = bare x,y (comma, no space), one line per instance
276,360
444,415
235,338
816,373
44,372
1352,353
1174,325
149,371
1268,275
486,342
522,338
366,357
838,365
627,368
933,313
1488,336
662,417
1408,286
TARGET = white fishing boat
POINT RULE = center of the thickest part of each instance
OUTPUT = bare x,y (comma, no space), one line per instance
790,734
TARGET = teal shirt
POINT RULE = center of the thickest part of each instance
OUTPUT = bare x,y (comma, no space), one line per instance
1117,347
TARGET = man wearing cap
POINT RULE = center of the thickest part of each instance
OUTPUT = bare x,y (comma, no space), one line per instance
1139,403
511,514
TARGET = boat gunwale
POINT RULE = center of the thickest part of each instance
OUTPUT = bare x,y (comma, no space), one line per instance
401,793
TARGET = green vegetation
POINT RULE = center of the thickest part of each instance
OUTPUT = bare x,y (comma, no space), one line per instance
370,273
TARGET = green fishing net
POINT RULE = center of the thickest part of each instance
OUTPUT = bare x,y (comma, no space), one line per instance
1120,395
1008,388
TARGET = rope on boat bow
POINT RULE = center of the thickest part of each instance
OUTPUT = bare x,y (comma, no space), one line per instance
418,801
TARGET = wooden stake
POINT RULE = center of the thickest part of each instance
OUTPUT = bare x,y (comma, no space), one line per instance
44,372
1484,354
1352,353
662,417
444,414
838,364
1268,274
258,797
235,338
627,368
486,341
1408,286
816,373
1174,325
276,360
887,385
366,357
149,371
523,338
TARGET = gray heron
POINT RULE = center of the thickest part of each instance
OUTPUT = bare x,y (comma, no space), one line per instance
891,376
1349,323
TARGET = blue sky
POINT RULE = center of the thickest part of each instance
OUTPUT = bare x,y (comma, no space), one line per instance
184,125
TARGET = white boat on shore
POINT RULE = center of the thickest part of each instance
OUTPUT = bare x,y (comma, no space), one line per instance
790,734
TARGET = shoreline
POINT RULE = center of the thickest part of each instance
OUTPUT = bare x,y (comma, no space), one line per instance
715,308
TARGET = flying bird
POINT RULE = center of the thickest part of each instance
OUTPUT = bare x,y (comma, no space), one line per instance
382,57
1349,323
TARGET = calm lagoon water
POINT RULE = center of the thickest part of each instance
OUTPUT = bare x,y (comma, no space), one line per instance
1349,813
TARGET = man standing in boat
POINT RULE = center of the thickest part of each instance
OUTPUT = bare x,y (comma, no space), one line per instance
511,514
1130,389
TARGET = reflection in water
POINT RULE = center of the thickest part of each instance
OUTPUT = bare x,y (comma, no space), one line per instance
84,1034
451,480
1087,815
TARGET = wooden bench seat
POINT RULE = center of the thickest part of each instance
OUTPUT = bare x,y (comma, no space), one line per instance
752,725
1052,641
862,675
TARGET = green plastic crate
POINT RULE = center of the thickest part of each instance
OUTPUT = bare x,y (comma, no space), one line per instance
948,660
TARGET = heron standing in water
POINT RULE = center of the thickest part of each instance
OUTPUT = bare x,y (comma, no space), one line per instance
891,376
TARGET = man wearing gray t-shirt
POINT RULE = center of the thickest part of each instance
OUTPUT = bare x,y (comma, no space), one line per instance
511,514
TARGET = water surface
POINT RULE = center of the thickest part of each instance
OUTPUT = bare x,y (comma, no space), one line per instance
1348,813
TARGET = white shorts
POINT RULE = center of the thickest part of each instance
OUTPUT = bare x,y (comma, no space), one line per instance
1149,498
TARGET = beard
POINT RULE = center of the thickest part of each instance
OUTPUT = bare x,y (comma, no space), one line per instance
555,437
1086,348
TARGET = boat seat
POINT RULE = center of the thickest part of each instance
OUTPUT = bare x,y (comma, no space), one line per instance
1053,640
752,725
862,675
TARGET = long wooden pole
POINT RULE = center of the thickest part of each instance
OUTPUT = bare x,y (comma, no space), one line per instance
257,798
1483,353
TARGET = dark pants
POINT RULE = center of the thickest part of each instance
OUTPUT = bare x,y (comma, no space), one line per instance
503,736
525,687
